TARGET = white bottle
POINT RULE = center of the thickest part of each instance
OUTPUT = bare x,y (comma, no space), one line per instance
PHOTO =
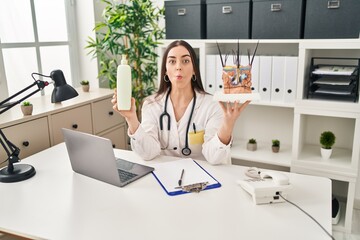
123,85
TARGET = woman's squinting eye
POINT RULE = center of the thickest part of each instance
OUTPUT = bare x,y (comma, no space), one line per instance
171,61
186,60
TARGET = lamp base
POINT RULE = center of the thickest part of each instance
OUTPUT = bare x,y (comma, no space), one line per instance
21,172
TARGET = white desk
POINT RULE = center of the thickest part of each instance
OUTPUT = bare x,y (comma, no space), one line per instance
59,204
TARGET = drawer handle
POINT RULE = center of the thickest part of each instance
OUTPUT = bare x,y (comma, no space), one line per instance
181,11
226,9
264,89
289,91
277,90
75,126
333,4
220,86
111,113
25,143
276,7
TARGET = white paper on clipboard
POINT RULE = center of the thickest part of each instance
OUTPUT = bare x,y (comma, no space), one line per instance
168,175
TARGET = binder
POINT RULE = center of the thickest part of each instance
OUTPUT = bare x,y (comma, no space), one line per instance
210,77
218,75
168,175
277,79
290,79
255,75
265,77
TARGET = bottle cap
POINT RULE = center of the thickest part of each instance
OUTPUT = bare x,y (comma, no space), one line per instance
123,59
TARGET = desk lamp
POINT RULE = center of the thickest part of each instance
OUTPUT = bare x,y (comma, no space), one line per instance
61,92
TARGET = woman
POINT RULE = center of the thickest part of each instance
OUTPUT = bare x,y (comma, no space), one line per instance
181,119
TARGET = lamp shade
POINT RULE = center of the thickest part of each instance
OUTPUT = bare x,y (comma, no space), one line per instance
62,91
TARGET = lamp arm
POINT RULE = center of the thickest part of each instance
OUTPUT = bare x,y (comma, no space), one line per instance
39,83
11,150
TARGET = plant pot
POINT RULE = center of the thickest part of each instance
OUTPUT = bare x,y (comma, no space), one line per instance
85,88
275,149
27,110
251,146
326,153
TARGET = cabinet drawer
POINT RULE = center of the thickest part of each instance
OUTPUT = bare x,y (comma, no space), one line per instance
117,137
104,116
31,137
77,119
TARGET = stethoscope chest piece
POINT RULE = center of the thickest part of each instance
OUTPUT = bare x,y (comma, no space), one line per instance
186,151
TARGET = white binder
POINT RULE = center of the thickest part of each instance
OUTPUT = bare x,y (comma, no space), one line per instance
291,72
210,77
255,75
219,68
278,79
265,77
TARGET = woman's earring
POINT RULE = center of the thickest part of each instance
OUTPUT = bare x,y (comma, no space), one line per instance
166,78
193,78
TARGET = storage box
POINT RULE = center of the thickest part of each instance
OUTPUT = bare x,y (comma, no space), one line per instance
185,19
332,19
283,19
228,19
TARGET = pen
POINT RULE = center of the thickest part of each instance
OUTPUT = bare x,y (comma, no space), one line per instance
194,128
181,177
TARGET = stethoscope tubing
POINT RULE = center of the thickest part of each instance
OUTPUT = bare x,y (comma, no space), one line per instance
186,151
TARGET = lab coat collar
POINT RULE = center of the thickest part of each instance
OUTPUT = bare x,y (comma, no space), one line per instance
199,99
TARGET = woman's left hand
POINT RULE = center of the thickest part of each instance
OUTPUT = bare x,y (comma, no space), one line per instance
232,111
231,114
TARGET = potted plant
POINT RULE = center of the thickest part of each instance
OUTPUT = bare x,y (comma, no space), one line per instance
327,140
26,108
251,145
275,145
129,28
85,85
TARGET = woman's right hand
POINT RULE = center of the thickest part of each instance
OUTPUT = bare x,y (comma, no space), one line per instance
129,115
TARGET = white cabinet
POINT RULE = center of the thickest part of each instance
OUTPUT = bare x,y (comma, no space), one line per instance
293,119
34,137
108,123
90,112
104,116
78,118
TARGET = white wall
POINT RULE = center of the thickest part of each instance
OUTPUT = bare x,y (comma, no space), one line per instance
85,19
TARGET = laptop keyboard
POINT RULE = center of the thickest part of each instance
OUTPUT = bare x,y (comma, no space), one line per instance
125,176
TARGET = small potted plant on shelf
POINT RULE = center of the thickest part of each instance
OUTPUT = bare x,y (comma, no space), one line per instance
275,145
85,85
26,108
251,145
327,140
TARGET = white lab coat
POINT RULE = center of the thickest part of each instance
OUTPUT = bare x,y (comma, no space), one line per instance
148,140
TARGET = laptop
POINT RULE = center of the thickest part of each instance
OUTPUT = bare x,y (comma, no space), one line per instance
93,156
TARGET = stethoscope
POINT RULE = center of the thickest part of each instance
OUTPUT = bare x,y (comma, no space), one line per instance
186,150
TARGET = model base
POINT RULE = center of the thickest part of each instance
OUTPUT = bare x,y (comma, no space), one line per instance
241,97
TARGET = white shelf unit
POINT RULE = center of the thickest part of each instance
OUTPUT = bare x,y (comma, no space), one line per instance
298,124
311,117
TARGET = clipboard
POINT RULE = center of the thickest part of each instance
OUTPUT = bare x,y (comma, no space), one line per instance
168,175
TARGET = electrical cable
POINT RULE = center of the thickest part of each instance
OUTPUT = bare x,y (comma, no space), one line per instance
254,172
308,216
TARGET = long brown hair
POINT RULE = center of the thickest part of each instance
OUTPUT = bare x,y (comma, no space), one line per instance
196,85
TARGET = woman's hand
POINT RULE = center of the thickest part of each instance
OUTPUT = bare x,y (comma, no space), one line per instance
231,114
129,115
